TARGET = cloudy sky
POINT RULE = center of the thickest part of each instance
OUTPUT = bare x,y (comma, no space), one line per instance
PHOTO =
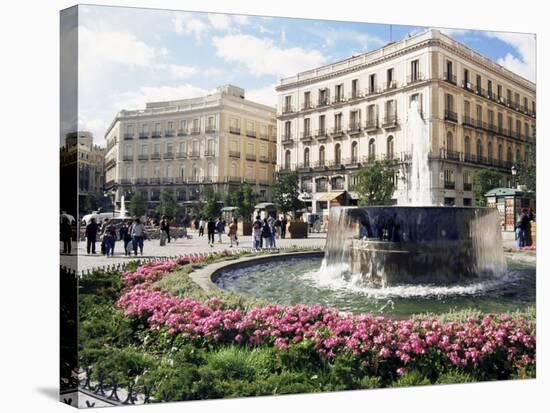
131,56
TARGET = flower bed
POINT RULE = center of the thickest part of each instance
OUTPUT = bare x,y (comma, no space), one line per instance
489,347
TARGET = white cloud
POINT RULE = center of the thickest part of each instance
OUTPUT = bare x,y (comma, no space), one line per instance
241,19
179,71
185,23
219,21
331,36
96,126
263,57
525,46
137,99
266,95
453,32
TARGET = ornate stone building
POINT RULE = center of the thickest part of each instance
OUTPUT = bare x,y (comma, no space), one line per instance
335,118
218,140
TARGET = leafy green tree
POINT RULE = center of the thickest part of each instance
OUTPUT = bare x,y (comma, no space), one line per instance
484,181
285,193
244,198
527,168
168,205
137,206
212,205
375,184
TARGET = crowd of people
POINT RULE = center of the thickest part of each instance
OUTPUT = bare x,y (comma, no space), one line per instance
131,233
523,228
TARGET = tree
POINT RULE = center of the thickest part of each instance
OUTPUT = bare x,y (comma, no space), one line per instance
137,206
484,181
527,168
244,198
212,205
285,193
375,184
168,205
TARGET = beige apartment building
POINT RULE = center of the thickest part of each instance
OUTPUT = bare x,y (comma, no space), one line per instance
218,140
83,162
334,119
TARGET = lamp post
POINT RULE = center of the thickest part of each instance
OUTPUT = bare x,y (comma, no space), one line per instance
514,174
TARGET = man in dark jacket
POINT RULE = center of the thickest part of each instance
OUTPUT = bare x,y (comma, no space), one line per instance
211,229
91,236
66,234
283,227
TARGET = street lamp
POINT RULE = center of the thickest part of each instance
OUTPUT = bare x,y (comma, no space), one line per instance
514,173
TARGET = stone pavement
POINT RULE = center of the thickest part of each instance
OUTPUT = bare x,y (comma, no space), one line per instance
183,246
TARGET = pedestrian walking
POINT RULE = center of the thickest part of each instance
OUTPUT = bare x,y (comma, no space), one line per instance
109,239
211,230
277,228
124,236
271,223
164,231
283,227
257,233
266,234
91,236
66,235
220,227
138,235
521,226
233,233
202,224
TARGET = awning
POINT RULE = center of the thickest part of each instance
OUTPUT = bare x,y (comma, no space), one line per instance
328,196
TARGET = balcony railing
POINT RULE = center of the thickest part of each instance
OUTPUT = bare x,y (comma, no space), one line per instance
338,99
371,125
468,86
264,136
126,181
321,134
286,109
354,128
285,168
169,155
155,156
307,187
143,135
287,139
320,165
453,155
209,152
210,129
195,130
372,90
415,78
142,181
251,133
263,158
234,130
234,154
321,187
128,158
306,136
449,78
467,186
449,185
194,154
335,164
390,85
450,116
468,121
128,136
181,155
336,132
304,166
307,105
154,181
143,157
182,132
169,133
167,180
338,185
390,121
352,162
355,94
250,157
322,102
156,134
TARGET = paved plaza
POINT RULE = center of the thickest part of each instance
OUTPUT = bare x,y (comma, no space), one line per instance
182,246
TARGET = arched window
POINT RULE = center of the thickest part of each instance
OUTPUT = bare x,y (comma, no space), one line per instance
518,155
479,149
467,150
287,159
210,170
337,154
234,169
195,172
306,157
372,150
490,150
354,151
509,154
389,147
450,143
499,155
321,155
169,171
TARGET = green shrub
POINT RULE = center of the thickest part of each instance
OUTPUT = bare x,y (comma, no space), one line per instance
455,376
122,365
412,378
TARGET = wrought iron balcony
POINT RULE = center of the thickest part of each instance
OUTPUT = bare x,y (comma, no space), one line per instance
338,99
355,94
250,157
169,155
451,116
195,131
306,136
156,134
320,165
449,78
307,105
336,164
154,181
194,154
210,129
449,185
467,186
354,128
167,180
338,185
143,135
234,154
210,153
264,136
182,132
304,166
155,156
390,121
468,121
234,130
322,102
263,158
143,157
128,136
371,125
287,139
321,134
251,133
336,132
468,86
390,85
415,78
181,155
142,181
287,109
128,158
126,181
169,133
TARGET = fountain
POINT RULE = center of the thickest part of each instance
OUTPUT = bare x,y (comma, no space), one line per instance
122,212
417,244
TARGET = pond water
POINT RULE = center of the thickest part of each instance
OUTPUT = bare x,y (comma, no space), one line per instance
298,280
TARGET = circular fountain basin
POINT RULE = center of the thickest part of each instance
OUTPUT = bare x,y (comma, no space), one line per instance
299,281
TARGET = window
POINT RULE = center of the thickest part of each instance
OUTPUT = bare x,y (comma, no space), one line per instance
467,180
490,150
479,113
355,88
499,154
145,128
509,119
338,122
287,159
287,130
338,154
518,155
129,150
322,125
509,154
466,108
339,93
323,96
130,129
491,118
170,125
250,149
391,111
389,147
479,149
508,96
518,127
467,145
478,84
417,97
371,113
288,104
414,71
156,148
449,74
372,83
169,171
306,157
321,155
449,176
354,119
183,125
499,91
389,78
466,78
354,152
499,121
144,149
306,127
249,127
169,148
450,143
490,88
449,102
307,100
372,150
196,125
467,202
526,129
